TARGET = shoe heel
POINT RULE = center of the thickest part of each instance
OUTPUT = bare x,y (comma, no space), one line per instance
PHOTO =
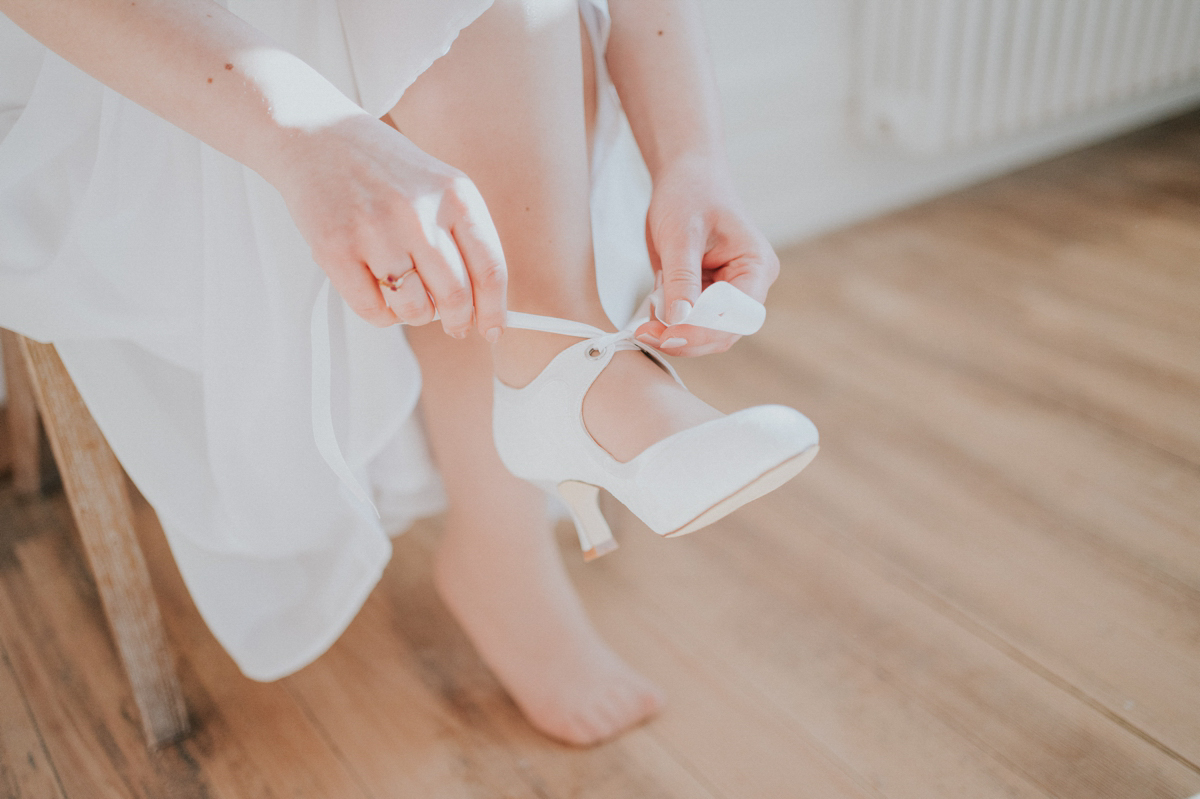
584,501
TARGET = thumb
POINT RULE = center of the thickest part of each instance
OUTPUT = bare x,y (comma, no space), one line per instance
681,269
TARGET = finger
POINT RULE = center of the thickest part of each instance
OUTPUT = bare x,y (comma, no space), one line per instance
410,300
751,274
360,289
479,244
650,332
718,343
680,254
690,341
684,340
445,276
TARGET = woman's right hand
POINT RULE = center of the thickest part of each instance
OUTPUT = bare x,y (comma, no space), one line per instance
372,205
369,202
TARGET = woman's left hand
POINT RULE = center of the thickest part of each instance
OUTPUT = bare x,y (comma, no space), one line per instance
698,232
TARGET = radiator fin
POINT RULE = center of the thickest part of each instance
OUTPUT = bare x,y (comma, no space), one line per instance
938,75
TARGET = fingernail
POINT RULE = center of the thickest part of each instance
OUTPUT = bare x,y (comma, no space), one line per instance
646,338
493,334
679,311
672,343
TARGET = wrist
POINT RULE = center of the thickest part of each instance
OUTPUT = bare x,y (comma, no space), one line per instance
705,159
279,152
705,170
288,109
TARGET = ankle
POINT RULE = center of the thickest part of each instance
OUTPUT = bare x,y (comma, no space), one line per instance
578,307
521,355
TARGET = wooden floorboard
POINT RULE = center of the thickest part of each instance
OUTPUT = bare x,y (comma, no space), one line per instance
821,632
986,585
25,768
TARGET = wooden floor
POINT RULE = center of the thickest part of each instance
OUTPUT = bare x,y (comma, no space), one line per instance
987,585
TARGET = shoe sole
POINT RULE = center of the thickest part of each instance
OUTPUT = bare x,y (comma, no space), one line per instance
763,485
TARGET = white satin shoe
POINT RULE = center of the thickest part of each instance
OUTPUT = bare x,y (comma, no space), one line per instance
677,485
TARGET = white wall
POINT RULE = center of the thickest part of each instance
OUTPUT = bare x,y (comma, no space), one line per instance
785,68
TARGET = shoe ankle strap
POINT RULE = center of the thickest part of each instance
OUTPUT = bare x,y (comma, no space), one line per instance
721,306
552,324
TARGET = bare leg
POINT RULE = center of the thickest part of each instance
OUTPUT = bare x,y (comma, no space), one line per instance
507,106
495,109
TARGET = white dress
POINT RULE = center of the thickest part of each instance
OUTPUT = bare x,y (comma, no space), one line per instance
184,303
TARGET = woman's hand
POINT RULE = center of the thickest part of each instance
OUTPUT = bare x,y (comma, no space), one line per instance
369,202
373,206
698,233
697,230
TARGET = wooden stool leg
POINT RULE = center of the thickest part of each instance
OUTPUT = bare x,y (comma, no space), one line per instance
24,433
95,485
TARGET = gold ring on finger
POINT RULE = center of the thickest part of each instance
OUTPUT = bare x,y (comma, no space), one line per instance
392,281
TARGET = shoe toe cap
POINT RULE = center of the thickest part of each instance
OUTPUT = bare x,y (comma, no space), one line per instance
690,472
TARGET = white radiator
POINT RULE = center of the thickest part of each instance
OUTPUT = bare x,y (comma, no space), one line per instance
938,75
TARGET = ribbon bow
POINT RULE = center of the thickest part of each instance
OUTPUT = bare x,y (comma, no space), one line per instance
722,306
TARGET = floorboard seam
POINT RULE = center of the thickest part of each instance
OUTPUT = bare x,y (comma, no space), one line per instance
329,742
755,694
1072,524
918,698
1050,401
689,767
932,599
33,720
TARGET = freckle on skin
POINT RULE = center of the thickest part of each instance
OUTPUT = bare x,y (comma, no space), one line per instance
229,66
210,80
660,33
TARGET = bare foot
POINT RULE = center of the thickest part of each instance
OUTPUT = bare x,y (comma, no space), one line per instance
632,404
509,591
499,571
